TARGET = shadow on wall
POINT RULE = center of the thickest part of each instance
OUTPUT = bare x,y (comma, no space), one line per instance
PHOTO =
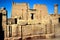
1,30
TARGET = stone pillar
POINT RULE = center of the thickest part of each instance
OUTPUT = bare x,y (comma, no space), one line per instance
4,21
48,29
56,9
53,28
45,29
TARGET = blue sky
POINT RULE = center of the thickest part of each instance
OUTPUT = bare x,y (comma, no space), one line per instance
49,3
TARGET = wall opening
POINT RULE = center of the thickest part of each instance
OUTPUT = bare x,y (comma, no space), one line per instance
59,20
32,16
15,20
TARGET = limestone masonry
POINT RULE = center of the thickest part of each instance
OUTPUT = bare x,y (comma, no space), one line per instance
26,22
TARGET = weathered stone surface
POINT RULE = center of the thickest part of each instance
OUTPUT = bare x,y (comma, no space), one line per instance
27,23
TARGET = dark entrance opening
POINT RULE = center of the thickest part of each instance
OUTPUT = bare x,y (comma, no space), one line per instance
15,20
32,16
59,20
1,30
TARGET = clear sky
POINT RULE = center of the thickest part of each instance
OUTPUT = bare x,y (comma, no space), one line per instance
49,3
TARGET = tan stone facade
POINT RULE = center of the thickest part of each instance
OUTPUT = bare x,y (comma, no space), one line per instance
26,22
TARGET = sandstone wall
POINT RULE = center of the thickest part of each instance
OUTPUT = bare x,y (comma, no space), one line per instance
19,10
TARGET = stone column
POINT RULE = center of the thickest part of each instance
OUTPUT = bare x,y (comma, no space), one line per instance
56,8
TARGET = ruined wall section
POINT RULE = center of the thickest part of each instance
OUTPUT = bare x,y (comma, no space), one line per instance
28,30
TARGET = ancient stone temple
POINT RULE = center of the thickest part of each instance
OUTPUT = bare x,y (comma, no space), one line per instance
26,23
